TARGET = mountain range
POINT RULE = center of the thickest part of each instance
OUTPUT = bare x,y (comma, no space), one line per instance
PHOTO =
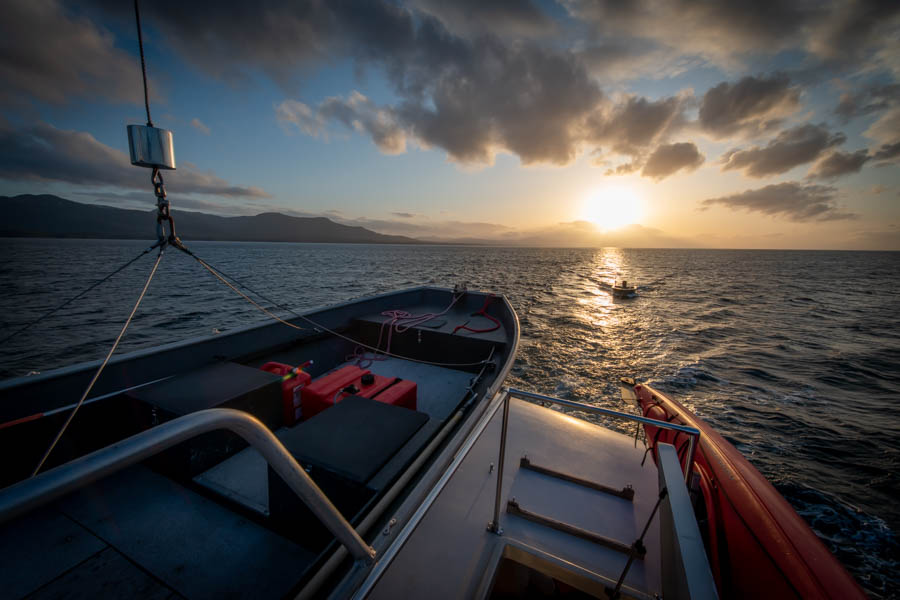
51,216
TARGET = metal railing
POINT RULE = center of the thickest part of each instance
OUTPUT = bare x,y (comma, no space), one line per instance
31,493
693,433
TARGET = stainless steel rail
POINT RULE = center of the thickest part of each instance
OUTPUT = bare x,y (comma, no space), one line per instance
30,494
693,439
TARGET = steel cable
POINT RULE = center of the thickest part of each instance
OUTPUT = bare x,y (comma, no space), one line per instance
102,365
74,298
221,275
137,18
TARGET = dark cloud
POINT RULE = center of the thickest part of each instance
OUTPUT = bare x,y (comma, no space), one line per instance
469,18
794,201
837,33
636,124
871,100
714,30
522,98
850,30
51,54
488,97
668,159
885,130
840,163
404,215
790,148
749,106
888,152
45,153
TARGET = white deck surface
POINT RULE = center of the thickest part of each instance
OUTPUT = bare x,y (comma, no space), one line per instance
450,552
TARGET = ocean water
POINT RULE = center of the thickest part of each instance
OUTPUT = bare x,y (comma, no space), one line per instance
793,356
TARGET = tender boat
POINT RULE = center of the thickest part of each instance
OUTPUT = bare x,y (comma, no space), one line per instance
623,290
367,486
153,489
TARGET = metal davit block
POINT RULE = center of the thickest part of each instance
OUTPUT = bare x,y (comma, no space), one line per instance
151,147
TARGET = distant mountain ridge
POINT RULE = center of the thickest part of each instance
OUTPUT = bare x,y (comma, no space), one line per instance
46,215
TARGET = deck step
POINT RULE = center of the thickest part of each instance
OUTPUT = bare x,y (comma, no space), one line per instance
626,493
513,508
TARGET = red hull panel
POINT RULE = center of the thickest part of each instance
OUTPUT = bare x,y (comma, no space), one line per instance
759,546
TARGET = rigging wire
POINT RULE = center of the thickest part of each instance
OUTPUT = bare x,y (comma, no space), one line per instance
102,365
221,275
246,297
137,18
74,298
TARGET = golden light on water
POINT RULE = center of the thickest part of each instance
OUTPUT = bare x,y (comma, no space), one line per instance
612,207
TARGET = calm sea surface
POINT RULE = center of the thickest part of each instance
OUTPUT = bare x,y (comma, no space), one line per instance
793,356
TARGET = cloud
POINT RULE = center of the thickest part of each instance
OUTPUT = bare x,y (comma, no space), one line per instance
838,34
840,163
873,99
301,115
853,29
489,97
200,126
52,54
404,215
357,113
43,152
635,124
469,18
749,106
792,200
717,30
888,152
790,148
668,159
886,130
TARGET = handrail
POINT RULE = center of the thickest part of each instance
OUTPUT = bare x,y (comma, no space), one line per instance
31,493
693,433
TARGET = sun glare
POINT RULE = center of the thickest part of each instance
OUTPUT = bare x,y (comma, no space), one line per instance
612,207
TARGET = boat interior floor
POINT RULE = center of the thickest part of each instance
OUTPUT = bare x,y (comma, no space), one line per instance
555,532
213,535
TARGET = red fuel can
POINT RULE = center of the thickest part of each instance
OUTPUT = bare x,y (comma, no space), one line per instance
291,389
326,391
402,393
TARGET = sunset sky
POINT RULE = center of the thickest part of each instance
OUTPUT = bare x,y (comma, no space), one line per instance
765,124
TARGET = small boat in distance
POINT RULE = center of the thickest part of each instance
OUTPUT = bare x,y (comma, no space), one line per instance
623,290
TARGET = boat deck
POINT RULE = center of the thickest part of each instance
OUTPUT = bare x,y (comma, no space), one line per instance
450,554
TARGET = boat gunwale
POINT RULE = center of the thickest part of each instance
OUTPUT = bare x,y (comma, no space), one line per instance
789,537
409,505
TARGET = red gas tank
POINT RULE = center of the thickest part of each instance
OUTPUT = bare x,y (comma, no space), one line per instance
354,381
291,388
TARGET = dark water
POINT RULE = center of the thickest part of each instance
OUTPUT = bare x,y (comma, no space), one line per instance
792,356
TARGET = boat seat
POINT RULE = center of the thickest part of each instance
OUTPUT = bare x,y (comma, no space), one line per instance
221,385
343,448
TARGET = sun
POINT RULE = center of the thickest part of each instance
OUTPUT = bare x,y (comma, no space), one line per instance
612,207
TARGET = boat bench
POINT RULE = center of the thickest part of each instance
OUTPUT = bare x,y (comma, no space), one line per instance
221,385
343,449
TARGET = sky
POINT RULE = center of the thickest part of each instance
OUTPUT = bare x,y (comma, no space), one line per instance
763,124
